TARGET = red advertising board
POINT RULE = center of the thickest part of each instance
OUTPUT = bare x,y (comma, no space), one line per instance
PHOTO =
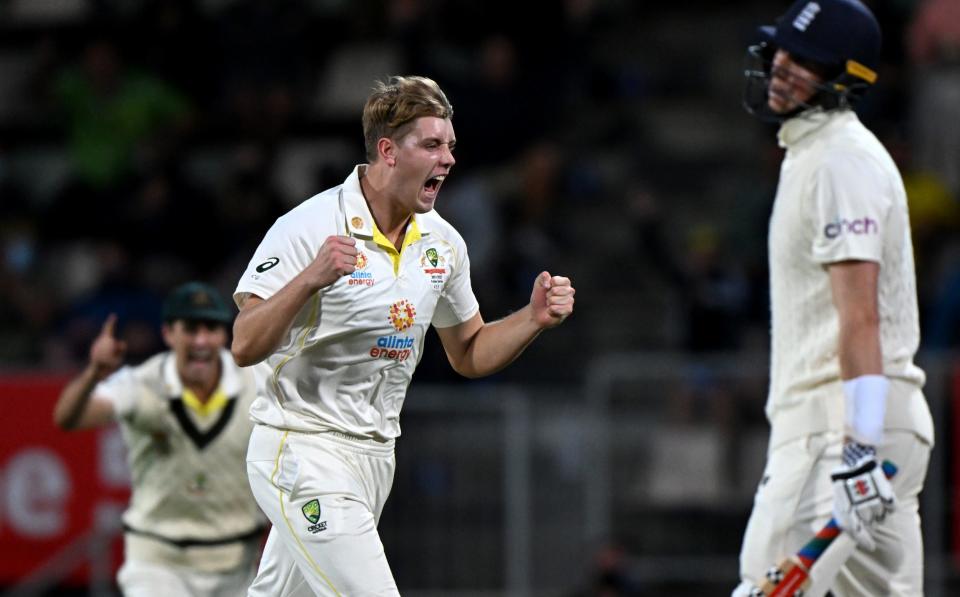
53,484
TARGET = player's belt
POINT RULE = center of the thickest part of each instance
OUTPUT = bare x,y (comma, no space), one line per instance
192,542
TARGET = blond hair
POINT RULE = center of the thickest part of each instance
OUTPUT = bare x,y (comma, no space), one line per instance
396,103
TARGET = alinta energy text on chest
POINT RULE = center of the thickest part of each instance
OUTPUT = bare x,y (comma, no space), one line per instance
360,279
398,348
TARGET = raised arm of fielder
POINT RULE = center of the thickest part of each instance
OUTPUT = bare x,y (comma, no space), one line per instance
261,324
475,348
74,408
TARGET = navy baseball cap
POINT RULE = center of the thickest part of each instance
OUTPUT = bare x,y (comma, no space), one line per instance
196,301
841,34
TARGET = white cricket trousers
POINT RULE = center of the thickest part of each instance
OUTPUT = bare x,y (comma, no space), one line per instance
795,499
324,493
151,579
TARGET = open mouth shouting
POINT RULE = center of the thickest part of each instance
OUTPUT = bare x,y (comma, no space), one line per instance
432,186
201,358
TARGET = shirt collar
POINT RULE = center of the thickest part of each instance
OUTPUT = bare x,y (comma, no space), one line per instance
804,124
360,221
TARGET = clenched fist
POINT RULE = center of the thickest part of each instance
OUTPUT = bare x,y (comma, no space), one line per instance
551,300
337,258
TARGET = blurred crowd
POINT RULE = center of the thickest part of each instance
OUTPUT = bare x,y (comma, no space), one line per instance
144,143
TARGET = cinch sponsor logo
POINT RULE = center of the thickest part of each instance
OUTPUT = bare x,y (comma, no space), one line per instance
858,226
398,348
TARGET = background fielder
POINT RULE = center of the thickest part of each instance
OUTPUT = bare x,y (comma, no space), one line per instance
844,391
192,527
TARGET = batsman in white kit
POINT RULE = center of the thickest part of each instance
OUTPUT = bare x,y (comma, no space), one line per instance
334,307
845,394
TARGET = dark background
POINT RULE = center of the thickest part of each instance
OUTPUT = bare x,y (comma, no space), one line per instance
146,143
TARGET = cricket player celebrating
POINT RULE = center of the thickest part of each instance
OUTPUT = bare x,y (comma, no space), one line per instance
334,307
844,392
192,527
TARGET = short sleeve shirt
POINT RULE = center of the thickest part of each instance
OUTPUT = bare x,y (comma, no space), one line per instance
187,461
351,351
840,197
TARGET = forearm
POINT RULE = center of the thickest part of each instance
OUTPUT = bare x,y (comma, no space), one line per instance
74,398
864,385
497,344
262,324
854,288
859,349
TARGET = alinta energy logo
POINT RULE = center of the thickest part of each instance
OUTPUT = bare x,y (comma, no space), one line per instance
402,316
359,277
858,227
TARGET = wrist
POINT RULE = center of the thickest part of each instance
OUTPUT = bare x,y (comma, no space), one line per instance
855,454
865,399
96,372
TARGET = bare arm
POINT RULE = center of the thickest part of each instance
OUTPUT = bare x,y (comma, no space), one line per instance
476,349
75,409
854,286
262,324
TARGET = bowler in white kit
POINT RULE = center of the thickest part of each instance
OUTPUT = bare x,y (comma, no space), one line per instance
334,307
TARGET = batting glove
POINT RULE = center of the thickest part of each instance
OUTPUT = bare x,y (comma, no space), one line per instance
862,495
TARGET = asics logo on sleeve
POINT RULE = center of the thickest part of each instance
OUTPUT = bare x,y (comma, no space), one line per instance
268,264
858,227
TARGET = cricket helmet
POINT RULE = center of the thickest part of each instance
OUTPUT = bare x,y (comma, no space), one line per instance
838,39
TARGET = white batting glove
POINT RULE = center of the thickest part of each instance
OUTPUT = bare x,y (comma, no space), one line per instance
862,495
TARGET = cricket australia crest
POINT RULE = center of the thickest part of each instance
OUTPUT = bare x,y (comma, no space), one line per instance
311,510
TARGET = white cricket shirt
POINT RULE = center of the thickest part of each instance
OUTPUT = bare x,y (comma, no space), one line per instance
351,351
840,197
191,503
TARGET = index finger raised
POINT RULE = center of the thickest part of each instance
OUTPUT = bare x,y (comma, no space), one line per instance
109,325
